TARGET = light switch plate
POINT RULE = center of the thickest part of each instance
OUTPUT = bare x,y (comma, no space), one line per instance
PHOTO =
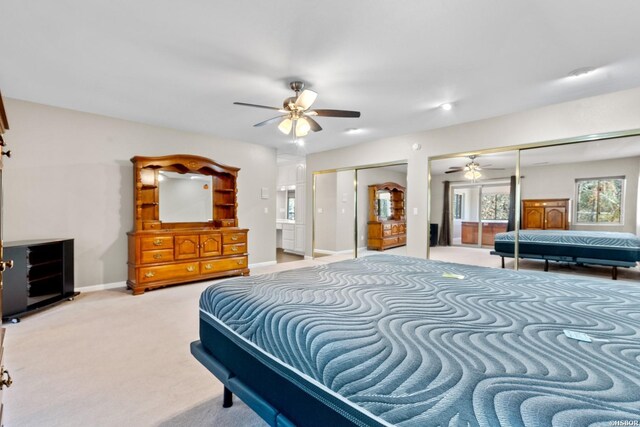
264,193
415,211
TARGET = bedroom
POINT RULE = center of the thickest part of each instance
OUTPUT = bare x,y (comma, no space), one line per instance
86,91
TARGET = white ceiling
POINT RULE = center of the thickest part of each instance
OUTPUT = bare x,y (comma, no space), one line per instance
183,64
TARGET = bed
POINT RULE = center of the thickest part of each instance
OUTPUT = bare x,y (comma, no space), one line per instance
579,247
389,340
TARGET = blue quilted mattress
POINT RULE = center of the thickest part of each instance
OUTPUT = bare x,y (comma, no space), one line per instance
574,244
392,340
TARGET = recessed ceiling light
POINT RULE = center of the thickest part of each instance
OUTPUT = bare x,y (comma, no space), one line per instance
578,72
446,106
353,131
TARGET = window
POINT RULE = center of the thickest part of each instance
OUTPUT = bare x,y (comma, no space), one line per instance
599,200
291,204
495,206
458,200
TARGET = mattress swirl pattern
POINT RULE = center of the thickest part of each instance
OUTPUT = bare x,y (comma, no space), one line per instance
393,336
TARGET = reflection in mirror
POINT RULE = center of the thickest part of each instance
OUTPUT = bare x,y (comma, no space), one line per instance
472,199
383,200
291,205
381,217
581,190
185,197
334,215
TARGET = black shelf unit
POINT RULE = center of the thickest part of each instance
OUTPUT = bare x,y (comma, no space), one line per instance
42,275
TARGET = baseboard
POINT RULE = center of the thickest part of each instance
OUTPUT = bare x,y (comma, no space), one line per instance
104,287
308,257
328,252
262,264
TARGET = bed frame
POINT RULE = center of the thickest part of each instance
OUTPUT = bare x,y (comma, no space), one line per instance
570,259
266,391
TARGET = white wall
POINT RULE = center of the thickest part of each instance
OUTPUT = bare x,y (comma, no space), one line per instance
606,113
367,177
537,180
70,176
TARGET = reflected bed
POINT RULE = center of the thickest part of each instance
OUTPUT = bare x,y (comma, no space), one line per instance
389,340
579,247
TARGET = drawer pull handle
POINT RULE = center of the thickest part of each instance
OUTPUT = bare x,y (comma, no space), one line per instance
234,238
157,256
234,248
149,274
157,242
191,268
5,382
208,267
240,261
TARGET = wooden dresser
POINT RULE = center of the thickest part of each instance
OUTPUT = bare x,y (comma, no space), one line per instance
545,214
387,227
165,253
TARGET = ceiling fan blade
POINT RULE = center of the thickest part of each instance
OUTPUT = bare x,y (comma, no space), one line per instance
258,106
493,169
306,98
271,120
335,113
314,125
453,171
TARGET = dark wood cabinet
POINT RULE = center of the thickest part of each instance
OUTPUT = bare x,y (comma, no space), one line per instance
489,231
42,275
169,253
545,214
387,228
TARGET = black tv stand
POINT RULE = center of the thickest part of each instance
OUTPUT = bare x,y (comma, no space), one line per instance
42,275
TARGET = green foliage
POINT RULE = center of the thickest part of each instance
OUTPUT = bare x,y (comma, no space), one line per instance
495,206
600,200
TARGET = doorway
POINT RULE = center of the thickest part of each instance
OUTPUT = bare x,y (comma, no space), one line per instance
479,212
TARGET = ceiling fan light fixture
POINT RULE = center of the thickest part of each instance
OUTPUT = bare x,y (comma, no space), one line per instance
285,126
472,174
302,127
447,106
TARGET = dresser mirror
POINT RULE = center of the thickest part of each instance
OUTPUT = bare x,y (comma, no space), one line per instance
383,202
185,197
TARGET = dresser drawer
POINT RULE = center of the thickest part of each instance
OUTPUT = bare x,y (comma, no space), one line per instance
238,248
389,241
229,238
157,242
161,255
386,232
226,264
167,272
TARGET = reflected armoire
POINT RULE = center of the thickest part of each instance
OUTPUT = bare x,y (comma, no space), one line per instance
386,227
167,253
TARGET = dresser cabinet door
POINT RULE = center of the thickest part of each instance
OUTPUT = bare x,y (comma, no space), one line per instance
186,246
533,218
555,218
210,244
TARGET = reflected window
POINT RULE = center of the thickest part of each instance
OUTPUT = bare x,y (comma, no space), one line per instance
599,200
495,206
384,204
458,200
291,204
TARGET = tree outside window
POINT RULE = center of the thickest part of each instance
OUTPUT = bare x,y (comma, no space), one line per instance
291,204
495,206
599,200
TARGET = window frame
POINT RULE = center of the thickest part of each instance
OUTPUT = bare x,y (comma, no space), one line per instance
623,193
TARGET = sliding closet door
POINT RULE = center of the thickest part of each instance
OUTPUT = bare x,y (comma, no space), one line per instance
334,215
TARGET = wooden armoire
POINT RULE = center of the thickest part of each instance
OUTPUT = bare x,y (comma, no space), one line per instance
165,253
386,232
545,214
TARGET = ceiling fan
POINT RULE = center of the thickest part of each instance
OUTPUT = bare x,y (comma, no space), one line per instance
296,117
472,169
